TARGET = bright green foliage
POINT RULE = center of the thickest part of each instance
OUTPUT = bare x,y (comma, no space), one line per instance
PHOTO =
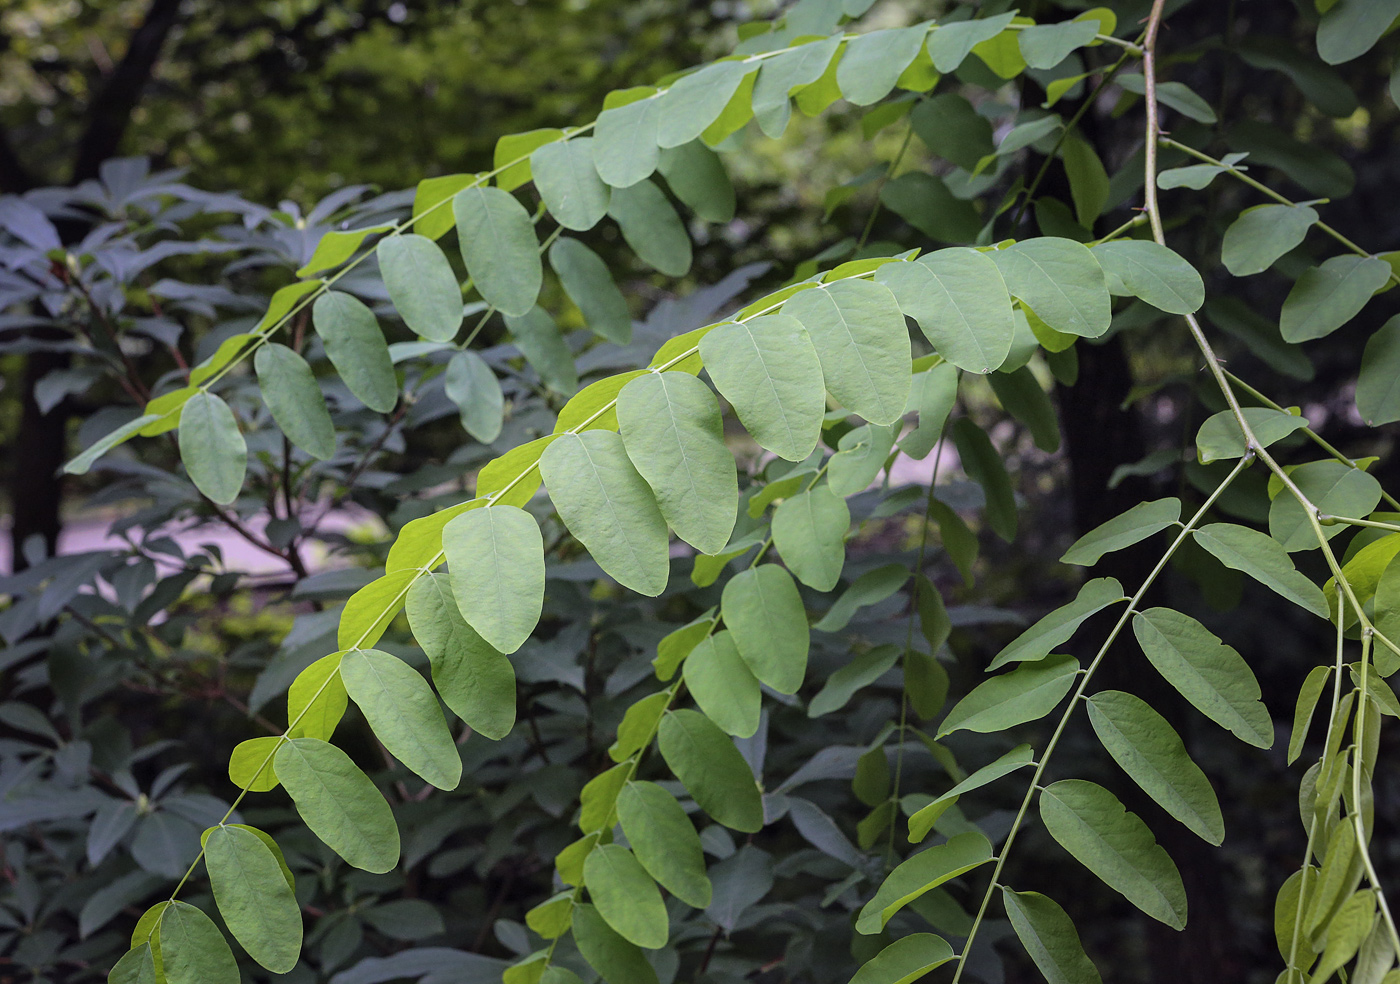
1153,273
1262,234
764,614
651,227
192,949
496,559
723,685
922,821
711,769
339,803
809,531
664,841
905,960
403,713
625,896
254,898
1060,280
960,302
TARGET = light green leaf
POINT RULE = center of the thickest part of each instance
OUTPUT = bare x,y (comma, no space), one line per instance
949,44
250,764
809,530
588,283
1174,95
861,455
609,508
1048,935
1046,45
1137,524
664,841
921,873
254,898
192,949
1378,385
859,334
1057,627
1328,296
677,645
694,101
706,762
723,685
1145,746
539,339
960,302
983,465
860,672
316,700
356,348
290,391
212,447
870,588
552,917
1262,234
1220,437
474,678
369,611
1345,933
496,559
1265,560
1021,395
435,194
499,248
638,726
626,896
81,463
1208,673
422,285
470,383
873,62
697,176
136,966
1303,712
1349,29
616,960
1089,822
513,154
1334,488
905,960
763,611
336,247
1153,273
780,76
339,803
922,821
625,150
673,434
1088,181
569,184
599,796
769,371
1027,693
652,228
1060,280
932,397
403,713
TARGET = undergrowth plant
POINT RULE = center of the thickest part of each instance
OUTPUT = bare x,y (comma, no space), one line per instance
826,376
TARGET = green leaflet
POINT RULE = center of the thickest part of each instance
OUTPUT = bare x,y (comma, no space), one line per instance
809,530
1027,693
588,283
552,917
1176,95
1145,746
1328,296
498,246
960,301
539,340
1345,933
677,645
949,44
432,193
1220,437
1048,935
80,464
1046,45
474,678
664,841
339,803
1349,29
858,331
1089,822
638,726
861,455
609,508
764,613
250,764
860,672
369,611
470,383
1378,386
932,396
510,148
422,285
1057,627
1265,560
625,150
922,821
924,871
569,184
723,685
983,465
290,391
356,348
1153,273
652,228
799,66
873,62
671,428
1306,706
136,966
697,176
192,950
694,101
1262,234
706,762
1334,488
336,247
952,129
868,589
599,796
616,960
1022,396
905,960
496,559
1088,181
316,700
512,479
254,898
212,447
1137,524
403,713
1060,280
1341,871
625,896
1208,673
